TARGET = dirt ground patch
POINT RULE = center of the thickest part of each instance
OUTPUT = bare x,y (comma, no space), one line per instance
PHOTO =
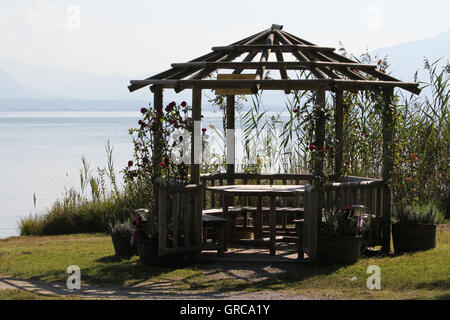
167,289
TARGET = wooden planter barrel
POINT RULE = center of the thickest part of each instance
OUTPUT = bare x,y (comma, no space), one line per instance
339,251
148,252
122,246
413,237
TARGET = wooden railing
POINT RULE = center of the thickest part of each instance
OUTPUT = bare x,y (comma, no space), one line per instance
356,191
180,219
347,191
362,192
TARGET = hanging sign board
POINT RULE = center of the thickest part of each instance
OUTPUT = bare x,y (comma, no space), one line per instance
232,92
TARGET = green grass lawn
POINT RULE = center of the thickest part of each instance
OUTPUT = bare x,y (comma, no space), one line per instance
421,275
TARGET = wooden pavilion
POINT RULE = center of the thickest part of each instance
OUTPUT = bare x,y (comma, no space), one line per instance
329,71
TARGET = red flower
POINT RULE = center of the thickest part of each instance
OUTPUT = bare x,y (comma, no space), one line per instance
161,164
140,122
172,104
169,108
144,110
312,147
130,163
184,104
145,160
204,129
296,110
380,61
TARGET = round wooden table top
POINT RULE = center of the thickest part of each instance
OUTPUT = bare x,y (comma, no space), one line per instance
260,190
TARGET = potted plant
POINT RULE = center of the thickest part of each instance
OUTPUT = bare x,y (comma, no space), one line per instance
146,241
121,239
339,239
414,227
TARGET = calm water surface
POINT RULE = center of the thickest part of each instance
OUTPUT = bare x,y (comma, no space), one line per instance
40,154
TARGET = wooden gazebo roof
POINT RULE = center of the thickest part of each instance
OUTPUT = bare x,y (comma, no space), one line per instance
329,70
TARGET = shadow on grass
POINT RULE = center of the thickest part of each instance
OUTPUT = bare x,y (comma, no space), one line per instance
433,285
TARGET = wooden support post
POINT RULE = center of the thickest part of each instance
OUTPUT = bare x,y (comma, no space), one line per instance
319,177
339,133
388,161
157,156
231,153
196,139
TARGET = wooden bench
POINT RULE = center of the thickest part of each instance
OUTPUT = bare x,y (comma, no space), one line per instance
218,240
243,229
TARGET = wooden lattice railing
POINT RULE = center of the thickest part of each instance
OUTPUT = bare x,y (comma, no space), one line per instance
368,193
180,219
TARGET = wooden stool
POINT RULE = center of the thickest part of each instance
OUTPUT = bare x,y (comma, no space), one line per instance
218,224
299,227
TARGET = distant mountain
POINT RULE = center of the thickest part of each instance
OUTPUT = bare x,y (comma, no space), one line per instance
55,83
67,88
407,58
10,88
28,104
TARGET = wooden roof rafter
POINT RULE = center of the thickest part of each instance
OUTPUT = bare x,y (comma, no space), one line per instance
329,68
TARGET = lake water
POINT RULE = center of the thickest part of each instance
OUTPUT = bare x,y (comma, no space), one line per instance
40,154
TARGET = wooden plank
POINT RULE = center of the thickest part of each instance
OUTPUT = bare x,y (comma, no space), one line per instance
197,219
232,92
175,222
162,221
213,195
187,218
379,206
258,220
272,224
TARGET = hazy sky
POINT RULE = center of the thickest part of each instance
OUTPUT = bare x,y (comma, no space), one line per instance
140,37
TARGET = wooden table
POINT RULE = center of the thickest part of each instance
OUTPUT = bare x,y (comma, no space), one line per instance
260,191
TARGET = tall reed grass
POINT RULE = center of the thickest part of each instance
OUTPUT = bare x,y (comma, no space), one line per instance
98,203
